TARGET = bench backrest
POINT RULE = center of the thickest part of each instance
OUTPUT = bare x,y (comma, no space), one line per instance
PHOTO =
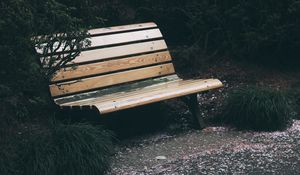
117,55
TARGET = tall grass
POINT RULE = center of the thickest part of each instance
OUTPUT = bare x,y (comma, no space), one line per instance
8,161
297,104
69,150
294,94
257,108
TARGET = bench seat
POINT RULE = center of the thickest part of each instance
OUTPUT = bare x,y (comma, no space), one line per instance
137,94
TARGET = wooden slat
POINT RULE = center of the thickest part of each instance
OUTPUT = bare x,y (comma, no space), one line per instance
125,37
118,51
116,89
119,38
167,92
112,65
120,94
111,52
117,96
122,28
111,79
166,86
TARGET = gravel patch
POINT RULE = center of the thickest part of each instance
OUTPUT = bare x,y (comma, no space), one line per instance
215,150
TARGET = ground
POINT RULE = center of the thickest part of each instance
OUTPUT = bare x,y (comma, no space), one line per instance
216,149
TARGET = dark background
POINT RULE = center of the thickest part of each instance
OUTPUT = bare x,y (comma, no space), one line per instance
259,32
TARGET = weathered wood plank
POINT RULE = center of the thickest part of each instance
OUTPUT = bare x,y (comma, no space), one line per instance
111,79
119,38
163,89
155,96
125,37
121,94
123,88
117,51
122,28
112,65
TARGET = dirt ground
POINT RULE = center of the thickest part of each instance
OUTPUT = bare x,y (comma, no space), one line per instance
216,149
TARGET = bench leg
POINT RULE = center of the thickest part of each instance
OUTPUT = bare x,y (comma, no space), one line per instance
195,110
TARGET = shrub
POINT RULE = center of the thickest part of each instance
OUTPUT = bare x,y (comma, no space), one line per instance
297,103
68,149
191,61
257,108
8,161
294,94
263,32
23,85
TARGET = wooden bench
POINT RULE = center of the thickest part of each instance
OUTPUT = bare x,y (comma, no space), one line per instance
125,67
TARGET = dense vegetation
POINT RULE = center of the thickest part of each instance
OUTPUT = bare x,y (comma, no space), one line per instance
68,149
257,31
63,149
29,141
259,109
294,94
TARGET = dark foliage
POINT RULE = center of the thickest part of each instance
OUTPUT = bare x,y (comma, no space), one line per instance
259,109
294,94
23,84
68,149
62,149
25,102
258,31
189,61
297,105
8,160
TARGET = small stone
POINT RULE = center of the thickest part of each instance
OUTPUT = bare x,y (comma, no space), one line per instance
161,158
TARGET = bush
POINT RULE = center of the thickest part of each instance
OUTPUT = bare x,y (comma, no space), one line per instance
191,61
294,94
297,104
68,149
8,160
258,31
24,89
259,109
